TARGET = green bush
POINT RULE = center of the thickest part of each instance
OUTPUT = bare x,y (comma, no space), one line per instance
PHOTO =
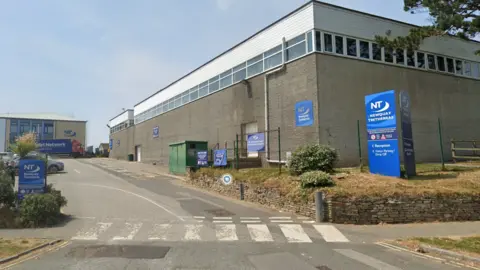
61,200
38,210
7,194
313,157
316,179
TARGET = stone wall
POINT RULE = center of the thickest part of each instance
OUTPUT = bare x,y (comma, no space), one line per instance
357,210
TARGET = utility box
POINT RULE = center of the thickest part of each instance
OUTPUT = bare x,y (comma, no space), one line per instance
184,155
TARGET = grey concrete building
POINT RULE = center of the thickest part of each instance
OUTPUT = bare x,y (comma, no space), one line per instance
320,53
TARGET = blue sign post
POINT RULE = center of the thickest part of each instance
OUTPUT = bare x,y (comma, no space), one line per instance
202,158
256,142
304,113
407,135
220,158
382,135
31,177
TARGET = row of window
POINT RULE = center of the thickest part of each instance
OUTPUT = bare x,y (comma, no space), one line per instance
347,46
268,60
303,44
20,127
121,126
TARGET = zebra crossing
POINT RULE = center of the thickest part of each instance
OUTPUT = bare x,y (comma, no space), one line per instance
212,232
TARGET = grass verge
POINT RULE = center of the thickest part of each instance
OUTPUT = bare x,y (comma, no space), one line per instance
10,247
430,179
465,244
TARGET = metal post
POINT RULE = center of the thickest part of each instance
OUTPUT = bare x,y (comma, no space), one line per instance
359,145
441,143
318,206
242,192
279,153
46,173
238,154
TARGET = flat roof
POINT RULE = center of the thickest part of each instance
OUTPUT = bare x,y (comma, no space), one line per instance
282,18
120,114
40,116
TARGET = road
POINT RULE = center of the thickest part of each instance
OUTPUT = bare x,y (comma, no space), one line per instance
122,222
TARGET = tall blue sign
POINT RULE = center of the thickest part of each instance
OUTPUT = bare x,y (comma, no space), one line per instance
58,146
407,135
156,132
256,142
202,158
383,154
111,144
31,177
220,158
304,113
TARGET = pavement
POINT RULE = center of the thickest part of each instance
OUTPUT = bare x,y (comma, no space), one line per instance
133,216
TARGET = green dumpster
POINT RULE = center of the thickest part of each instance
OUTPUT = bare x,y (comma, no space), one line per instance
184,155
130,157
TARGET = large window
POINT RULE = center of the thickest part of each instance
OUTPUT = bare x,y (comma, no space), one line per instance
24,127
13,130
48,130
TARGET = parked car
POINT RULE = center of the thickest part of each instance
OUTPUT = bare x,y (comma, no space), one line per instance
5,157
53,166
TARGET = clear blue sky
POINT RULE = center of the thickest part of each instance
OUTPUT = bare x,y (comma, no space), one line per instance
89,58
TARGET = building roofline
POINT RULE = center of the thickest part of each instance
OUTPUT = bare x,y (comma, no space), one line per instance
232,48
275,22
44,119
120,114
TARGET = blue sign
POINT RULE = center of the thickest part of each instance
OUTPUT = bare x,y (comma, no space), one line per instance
58,146
383,154
111,144
304,113
202,158
155,132
407,135
69,133
31,177
118,142
227,179
220,157
256,142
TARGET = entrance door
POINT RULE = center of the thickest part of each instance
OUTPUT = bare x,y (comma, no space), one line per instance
249,129
139,153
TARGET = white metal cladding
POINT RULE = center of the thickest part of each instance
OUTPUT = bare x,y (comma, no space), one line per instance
292,26
126,115
364,26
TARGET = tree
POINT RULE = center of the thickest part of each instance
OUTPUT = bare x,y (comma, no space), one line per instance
24,144
449,17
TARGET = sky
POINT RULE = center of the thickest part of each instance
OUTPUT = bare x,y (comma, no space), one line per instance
89,59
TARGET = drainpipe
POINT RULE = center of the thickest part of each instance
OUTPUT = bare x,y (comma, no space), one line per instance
267,124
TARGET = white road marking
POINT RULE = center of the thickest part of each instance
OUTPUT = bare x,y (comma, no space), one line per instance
139,196
250,221
303,218
93,233
249,218
198,217
192,232
308,221
294,233
133,229
160,232
280,218
281,221
226,232
372,262
259,233
330,233
222,217
77,171
222,221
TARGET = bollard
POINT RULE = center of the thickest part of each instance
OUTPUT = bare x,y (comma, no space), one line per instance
319,206
242,191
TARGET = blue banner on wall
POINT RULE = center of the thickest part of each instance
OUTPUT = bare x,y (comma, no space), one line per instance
383,154
220,157
31,177
111,144
202,158
304,113
155,132
58,146
256,142
407,134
